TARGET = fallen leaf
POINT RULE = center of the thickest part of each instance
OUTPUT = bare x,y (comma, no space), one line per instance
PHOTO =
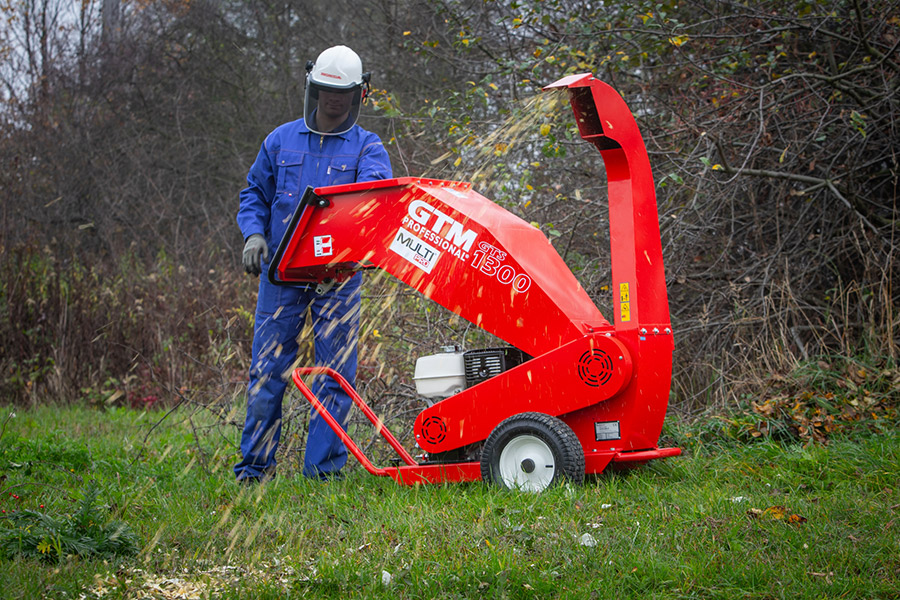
776,512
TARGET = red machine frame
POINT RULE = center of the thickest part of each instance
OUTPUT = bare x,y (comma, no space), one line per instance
608,383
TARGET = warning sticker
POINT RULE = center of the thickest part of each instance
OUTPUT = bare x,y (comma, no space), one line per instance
322,245
624,302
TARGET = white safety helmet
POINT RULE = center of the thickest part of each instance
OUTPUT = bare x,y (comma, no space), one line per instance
337,70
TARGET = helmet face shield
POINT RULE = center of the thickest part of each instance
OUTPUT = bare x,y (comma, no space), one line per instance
333,108
335,89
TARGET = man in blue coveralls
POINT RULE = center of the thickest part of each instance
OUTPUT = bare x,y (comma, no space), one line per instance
326,147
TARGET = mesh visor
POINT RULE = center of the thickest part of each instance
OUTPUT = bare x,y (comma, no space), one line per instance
328,107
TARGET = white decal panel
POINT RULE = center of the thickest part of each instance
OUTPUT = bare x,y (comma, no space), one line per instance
415,250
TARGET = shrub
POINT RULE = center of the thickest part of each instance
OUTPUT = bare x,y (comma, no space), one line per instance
86,534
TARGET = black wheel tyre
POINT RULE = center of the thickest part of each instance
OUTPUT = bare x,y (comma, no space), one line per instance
531,452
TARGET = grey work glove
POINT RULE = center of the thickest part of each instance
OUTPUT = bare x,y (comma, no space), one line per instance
255,248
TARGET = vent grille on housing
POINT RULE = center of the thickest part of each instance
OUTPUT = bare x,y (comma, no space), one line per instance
595,367
434,430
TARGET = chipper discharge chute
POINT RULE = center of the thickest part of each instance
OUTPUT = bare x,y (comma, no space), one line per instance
573,392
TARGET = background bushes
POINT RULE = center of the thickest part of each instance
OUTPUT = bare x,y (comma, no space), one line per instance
126,131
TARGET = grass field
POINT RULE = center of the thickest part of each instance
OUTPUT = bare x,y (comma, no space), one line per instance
727,520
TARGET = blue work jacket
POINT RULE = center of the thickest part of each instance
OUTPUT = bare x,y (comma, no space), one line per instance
291,158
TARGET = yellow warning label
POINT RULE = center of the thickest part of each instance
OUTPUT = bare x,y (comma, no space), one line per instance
624,302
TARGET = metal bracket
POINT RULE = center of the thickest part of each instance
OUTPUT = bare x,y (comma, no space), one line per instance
323,287
317,200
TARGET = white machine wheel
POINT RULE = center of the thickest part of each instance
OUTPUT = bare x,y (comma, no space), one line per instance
531,452
527,464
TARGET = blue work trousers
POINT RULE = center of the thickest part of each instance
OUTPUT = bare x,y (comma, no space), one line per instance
280,317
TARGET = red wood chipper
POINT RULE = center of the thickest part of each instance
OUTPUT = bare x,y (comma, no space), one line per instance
572,393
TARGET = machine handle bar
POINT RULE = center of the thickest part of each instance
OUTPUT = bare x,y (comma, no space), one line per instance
308,199
380,427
